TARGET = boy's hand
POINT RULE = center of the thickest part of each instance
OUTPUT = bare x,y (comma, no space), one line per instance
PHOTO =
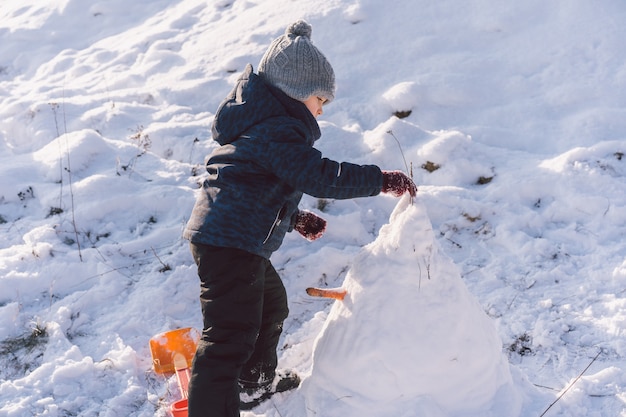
397,183
310,225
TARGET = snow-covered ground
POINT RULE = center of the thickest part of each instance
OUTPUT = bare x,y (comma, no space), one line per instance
499,290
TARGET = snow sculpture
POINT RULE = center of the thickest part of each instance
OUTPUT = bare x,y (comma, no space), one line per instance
408,339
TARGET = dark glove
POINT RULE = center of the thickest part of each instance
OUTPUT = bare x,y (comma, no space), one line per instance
309,225
397,183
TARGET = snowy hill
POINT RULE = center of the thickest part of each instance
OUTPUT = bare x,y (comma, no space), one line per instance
514,132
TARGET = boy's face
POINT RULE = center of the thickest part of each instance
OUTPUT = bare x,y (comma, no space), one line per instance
314,104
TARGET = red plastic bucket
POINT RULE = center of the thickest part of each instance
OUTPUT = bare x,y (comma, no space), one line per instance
179,408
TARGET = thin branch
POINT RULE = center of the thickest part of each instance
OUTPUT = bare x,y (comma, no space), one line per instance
54,106
571,384
166,267
69,177
408,171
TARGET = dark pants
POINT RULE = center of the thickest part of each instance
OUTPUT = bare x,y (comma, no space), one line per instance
243,305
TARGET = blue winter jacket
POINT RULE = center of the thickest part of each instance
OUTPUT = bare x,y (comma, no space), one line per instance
265,163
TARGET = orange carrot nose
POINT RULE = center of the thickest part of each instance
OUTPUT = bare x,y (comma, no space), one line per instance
334,293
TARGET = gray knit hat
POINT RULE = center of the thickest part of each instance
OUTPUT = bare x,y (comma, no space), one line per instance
294,65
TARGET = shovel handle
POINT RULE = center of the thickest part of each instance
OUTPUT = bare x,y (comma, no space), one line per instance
183,375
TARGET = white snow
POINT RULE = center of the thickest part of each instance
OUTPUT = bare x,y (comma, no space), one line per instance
488,295
409,335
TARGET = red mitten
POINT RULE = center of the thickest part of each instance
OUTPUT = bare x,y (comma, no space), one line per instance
309,225
397,183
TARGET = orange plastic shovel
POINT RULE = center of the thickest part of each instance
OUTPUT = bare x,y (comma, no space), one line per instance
172,352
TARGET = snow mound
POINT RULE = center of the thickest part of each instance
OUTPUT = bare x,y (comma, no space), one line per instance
402,96
402,288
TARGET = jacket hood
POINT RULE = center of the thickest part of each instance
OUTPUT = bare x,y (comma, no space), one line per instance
253,101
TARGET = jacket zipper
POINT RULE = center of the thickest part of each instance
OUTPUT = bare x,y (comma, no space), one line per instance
277,221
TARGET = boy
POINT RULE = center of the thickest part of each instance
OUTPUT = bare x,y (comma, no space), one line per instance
266,129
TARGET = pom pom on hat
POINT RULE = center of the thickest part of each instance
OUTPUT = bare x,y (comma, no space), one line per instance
294,65
299,28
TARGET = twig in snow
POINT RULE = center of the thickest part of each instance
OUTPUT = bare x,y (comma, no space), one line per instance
166,267
54,106
571,384
608,207
409,171
401,152
69,175
419,266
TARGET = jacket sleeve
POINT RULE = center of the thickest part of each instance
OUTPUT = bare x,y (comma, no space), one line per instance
305,169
